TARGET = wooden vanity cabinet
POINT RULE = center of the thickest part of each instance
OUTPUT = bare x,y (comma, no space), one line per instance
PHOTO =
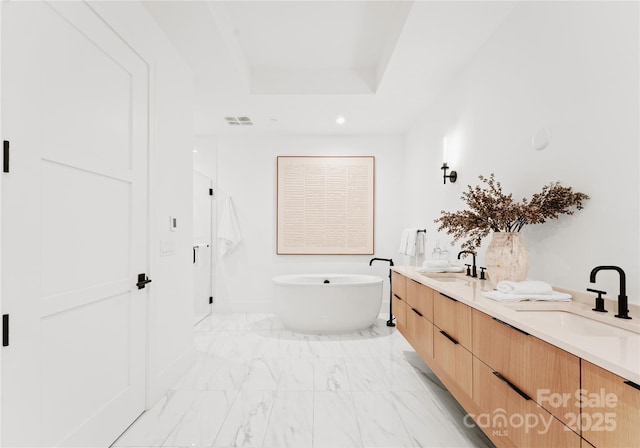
398,285
420,298
399,308
452,340
455,360
420,331
512,420
548,375
452,317
505,377
611,409
398,300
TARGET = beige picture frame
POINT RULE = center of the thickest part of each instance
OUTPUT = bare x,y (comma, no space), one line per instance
325,205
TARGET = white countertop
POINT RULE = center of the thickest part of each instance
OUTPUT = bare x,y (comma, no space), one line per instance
616,349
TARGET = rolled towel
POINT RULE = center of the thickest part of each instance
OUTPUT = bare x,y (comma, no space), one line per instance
526,287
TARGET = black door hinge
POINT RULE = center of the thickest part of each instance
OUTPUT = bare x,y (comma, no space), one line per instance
5,330
5,161
210,191
210,300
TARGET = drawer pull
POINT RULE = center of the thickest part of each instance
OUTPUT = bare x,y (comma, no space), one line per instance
511,326
448,337
512,386
632,384
450,298
396,296
417,312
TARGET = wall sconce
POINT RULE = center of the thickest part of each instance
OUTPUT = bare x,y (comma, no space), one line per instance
453,176
445,154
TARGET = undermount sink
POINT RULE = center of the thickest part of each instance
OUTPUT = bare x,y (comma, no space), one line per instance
576,324
448,278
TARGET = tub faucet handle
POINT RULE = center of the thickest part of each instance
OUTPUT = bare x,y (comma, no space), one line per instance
468,269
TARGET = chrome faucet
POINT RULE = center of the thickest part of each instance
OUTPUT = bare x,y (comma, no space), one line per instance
474,272
623,311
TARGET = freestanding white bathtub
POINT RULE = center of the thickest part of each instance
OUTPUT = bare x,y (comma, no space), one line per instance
327,303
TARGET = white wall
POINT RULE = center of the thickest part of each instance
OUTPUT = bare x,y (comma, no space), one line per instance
571,66
170,323
247,173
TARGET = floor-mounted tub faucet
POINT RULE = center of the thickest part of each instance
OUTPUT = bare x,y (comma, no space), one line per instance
474,272
623,312
390,261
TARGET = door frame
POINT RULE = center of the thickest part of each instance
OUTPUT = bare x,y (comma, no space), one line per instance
212,243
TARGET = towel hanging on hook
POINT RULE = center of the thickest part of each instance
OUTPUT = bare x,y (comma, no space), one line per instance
229,230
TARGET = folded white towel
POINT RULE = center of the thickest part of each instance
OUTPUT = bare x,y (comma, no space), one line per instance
526,287
555,296
420,242
412,242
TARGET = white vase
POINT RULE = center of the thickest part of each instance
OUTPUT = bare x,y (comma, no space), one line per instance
506,258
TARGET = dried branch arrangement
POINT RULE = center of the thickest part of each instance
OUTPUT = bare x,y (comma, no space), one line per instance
491,210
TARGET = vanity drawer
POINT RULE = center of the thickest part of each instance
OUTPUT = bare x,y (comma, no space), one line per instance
399,309
454,359
452,317
420,298
547,374
399,285
420,331
510,419
611,415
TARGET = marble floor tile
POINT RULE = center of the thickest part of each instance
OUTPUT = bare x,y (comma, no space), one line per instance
330,374
379,421
203,419
198,377
154,426
291,421
355,346
231,375
246,423
256,384
416,408
363,374
296,374
334,421
398,374
263,374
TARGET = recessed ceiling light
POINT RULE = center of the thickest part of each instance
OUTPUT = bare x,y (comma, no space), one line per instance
340,120
195,150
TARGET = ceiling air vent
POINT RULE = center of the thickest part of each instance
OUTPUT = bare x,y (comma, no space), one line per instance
238,121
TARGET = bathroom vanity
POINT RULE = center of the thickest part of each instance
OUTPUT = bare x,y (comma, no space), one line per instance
529,374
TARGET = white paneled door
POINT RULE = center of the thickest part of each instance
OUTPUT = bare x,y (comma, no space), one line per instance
74,227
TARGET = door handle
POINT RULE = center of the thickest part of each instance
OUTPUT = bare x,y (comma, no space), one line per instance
142,280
